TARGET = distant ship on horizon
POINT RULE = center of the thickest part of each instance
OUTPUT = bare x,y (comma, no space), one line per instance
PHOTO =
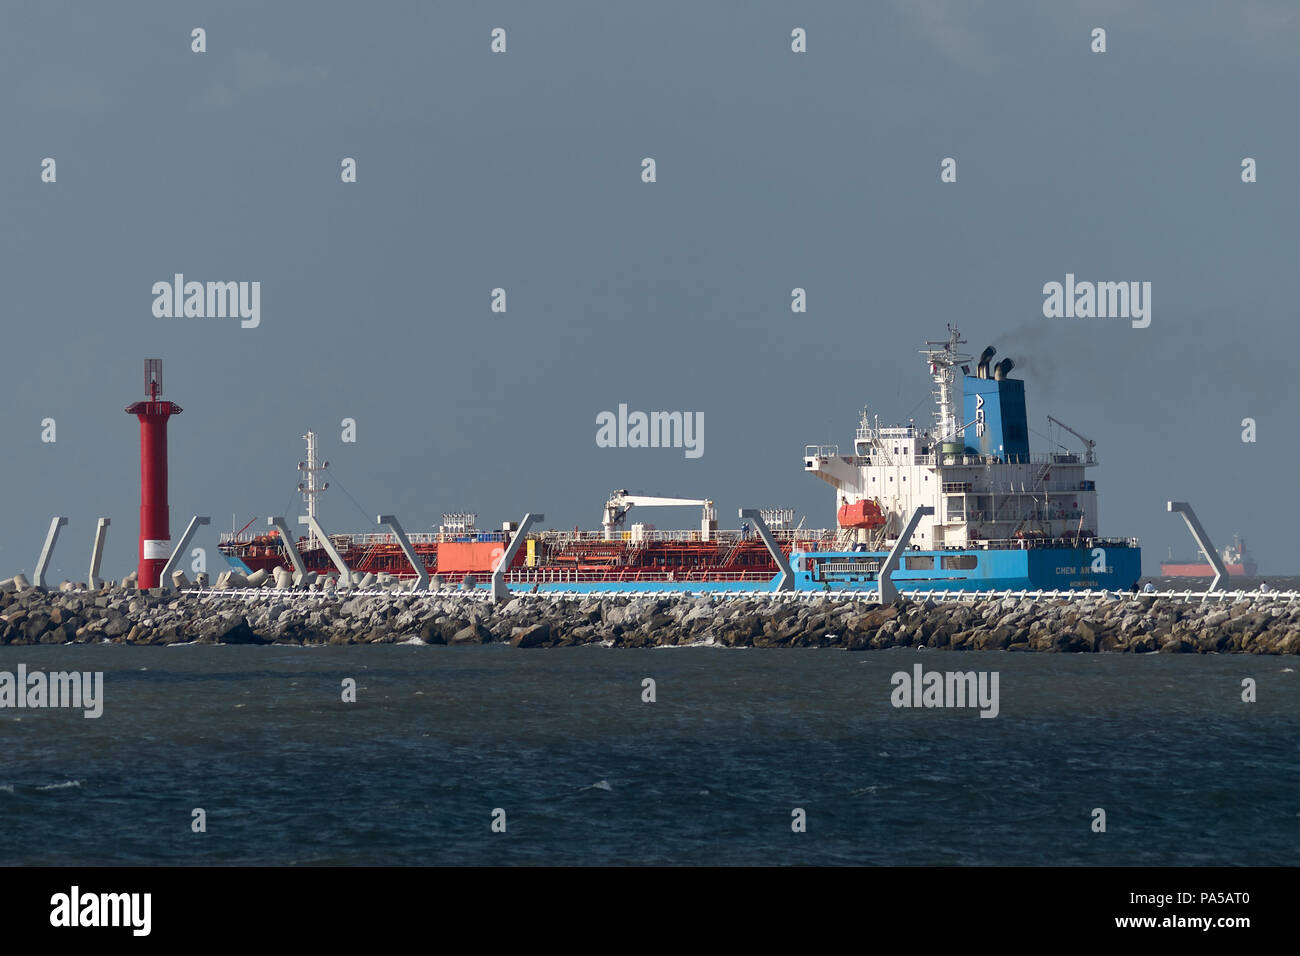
1235,557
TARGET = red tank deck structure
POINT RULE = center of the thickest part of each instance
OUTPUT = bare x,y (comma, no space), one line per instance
577,556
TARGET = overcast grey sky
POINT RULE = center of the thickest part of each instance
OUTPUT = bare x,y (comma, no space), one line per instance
522,170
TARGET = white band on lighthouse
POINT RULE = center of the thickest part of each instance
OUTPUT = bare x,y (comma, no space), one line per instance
156,550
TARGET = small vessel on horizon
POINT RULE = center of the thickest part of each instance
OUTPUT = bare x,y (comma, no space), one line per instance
1238,561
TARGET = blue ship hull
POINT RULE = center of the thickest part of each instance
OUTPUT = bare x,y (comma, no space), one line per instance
1050,569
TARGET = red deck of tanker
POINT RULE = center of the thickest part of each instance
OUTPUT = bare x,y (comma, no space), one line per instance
654,555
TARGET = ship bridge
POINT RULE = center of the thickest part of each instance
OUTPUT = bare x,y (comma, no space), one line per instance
976,472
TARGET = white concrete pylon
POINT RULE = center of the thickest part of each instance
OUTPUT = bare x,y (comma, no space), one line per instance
287,539
500,592
421,575
786,581
43,562
93,580
1202,541
165,577
344,571
888,592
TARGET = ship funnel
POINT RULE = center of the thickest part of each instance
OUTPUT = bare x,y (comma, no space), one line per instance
982,370
1003,369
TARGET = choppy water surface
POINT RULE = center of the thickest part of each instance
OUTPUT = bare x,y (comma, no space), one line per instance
587,773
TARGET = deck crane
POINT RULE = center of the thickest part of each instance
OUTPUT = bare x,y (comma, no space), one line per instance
1091,457
620,502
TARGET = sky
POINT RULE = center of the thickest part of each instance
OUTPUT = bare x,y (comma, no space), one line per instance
523,171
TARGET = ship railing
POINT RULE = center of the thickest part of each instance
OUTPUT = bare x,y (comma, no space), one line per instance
1009,489
849,567
628,576
1236,596
863,595
241,537
1041,458
811,537
728,536
821,451
360,540
1066,541
422,537
951,461
1188,597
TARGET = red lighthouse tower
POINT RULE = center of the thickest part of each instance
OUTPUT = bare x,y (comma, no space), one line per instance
155,534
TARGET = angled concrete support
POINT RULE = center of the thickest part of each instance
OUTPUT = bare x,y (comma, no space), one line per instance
93,580
1202,541
499,590
165,579
287,539
888,592
786,581
43,563
421,575
345,573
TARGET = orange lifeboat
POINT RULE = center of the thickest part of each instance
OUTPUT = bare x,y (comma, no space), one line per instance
861,514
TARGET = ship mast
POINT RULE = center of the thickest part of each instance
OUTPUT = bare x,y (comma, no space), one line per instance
943,358
309,488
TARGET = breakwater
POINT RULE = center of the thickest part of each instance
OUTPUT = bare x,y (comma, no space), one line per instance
1255,624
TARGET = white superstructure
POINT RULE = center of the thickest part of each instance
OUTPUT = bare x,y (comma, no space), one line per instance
979,499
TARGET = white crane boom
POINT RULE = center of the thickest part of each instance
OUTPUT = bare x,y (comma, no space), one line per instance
619,503
652,501
1083,438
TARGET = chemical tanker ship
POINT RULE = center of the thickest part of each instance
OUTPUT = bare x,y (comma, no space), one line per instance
1000,517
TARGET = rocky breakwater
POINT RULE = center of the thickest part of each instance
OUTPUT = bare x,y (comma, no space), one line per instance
1144,624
